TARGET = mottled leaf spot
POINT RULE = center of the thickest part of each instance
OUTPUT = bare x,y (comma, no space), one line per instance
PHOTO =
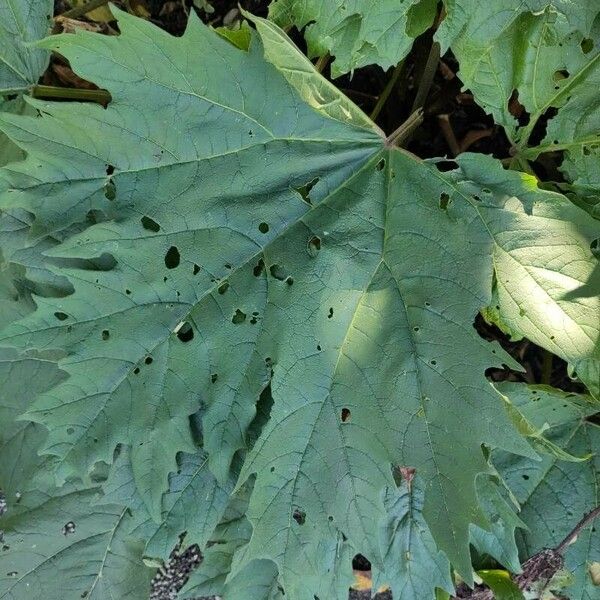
238,317
185,333
299,516
150,224
105,334
346,414
172,257
223,288
263,227
68,528
304,190
314,246
444,200
61,316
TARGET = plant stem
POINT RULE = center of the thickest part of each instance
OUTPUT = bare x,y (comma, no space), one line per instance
387,90
546,368
322,62
79,11
446,127
49,91
403,132
577,529
427,77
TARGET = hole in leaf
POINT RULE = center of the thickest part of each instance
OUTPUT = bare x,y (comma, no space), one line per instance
304,190
272,469
595,247
196,269
263,227
290,281
444,200
214,377
128,292
446,165
185,333
434,362
259,268
110,190
61,316
68,528
105,334
172,257
560,75
299,516
330,314
330,518
223,288
319,347
381,165
253,320
525,477
314,245
150,224
238,317
110,170
278,272
346,414
416,329
148,360
136,371
587,45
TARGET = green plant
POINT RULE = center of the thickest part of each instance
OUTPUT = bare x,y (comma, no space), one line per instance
238,315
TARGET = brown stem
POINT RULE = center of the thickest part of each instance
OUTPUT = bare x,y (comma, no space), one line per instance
49,91
403,132
577,529
448,132
79,11
322,62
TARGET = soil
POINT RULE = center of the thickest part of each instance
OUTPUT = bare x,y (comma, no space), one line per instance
452,121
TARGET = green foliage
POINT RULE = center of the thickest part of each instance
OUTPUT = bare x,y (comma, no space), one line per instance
231,308
21,22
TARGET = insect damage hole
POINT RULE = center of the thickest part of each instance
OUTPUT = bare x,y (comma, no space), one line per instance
68,528
299,516
444,201
61,316
304,190
314,245
263,227
346,415
172,258
238,317
185,332
150,224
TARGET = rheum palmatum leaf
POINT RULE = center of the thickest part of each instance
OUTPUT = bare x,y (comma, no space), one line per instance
554,495
21,22
359,32
258,240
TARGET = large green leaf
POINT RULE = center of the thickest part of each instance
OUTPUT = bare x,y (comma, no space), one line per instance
413,566
554,494
511,45
260,239
357,32
22,22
